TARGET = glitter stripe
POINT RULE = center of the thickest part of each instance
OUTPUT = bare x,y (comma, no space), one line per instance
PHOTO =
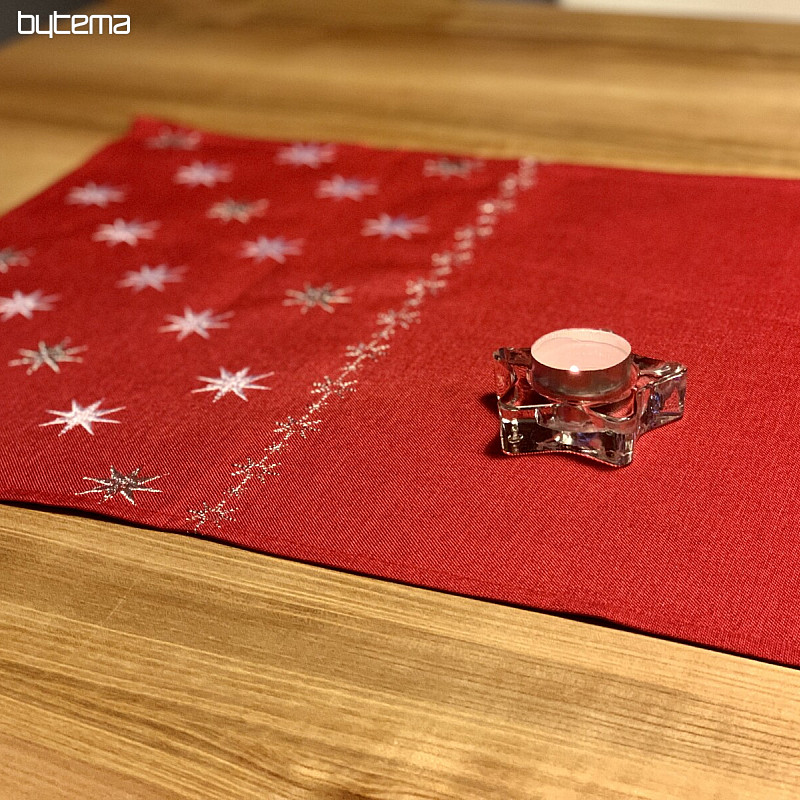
332,388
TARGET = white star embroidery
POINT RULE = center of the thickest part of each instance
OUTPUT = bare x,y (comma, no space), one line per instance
362,350
25,304
120,483
50,355
122,232
277,249
238,210
419,288
200,174
322,296
307,155
328,386
81,416
93,195
199,322
352,188
236,382
403,318
291,426
259,469
446,168
11,257
152,277
168,139
386,226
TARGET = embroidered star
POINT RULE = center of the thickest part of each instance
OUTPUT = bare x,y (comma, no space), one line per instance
152,277
325,297
120,483
446,168
93,194
199,322
25,304
168,139
417,289
402,318
371,350
277,249
216,514
200,174
81,416
352,188
122,232
236,382
328,386
291,426
47,355
386,226
443,262
307,155
238,210
11,257
259,469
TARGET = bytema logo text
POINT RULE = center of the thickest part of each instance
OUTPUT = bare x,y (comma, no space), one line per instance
74,23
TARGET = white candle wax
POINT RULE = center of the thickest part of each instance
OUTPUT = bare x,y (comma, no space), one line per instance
581,362
580,349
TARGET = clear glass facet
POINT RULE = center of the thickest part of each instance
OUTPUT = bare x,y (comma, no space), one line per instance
600,429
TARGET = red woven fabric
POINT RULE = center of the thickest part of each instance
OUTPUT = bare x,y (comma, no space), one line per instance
307,370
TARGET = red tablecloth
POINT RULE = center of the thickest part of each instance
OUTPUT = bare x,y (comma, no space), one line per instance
288,346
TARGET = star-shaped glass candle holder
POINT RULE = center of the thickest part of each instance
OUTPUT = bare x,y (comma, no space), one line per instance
598,413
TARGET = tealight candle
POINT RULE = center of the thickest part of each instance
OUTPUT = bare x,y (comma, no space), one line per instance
583,391
581,363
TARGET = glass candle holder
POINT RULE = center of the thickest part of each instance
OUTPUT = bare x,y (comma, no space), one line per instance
583,391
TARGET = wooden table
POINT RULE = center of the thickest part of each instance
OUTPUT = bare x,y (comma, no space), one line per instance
141,664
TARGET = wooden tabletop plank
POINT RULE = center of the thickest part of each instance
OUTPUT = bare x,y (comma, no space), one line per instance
137,663
164,666
708,111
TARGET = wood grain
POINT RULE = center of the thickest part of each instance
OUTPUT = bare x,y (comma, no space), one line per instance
490,79
155,665
140,664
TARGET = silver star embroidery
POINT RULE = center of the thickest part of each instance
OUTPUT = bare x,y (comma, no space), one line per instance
324,297
328,386
120,483
393,319
259,469
25,304
307,155
290,426
232,382
386,226
47,355
446,168
199,322
11,257
277,249
443,262
151,277
417,289
206,513
200,174
168,139
371,350
352,188
81,416
93,194
122,232
237,210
